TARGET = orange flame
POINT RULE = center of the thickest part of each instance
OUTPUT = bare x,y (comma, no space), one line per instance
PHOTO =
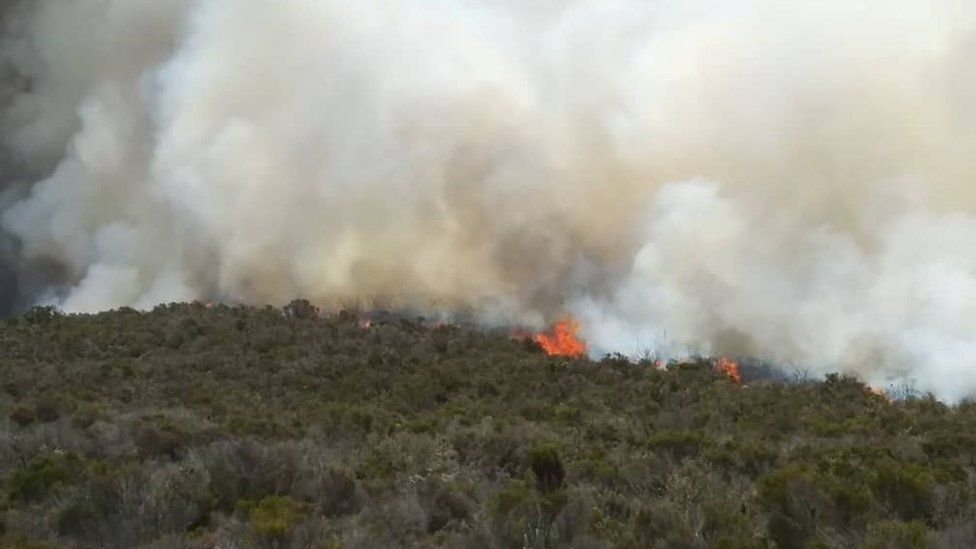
878,392
562,340
729,367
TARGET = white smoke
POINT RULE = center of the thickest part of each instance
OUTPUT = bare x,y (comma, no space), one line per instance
787,180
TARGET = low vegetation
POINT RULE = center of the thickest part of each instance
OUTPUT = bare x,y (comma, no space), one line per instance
192,426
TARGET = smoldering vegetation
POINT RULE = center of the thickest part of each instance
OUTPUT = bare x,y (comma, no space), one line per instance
196,426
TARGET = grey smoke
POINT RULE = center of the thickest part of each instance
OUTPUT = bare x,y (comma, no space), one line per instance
789,180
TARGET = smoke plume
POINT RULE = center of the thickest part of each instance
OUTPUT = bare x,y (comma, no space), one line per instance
789,180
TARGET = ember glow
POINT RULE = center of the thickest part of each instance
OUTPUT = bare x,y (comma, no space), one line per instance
561,340
729,367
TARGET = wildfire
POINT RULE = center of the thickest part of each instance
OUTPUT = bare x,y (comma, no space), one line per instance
878,392
561,340
729,367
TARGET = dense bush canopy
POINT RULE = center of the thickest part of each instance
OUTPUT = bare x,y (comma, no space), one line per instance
196,426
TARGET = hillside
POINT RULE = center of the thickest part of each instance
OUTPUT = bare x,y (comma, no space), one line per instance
191,426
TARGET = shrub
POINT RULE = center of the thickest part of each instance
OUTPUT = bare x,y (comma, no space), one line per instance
443,504
796,505
905,489
23,415
44,475
21,542
301,309
515,514
897,535
547,467
158,437
275,516
264,427
597,469
679,445
337,493
661,524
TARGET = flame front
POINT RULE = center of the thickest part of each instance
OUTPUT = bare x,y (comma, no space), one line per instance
562,340
878,392
729,367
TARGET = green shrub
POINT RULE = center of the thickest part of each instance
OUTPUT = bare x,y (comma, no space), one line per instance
514,497
547,467
597,469
897,535
43,476
904,488
514,512
240,427
275,516
800,502
679,445
567,414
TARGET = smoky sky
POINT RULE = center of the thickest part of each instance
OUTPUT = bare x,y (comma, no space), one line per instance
788,180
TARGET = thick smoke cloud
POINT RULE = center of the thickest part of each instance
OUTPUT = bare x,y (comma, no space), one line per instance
788,180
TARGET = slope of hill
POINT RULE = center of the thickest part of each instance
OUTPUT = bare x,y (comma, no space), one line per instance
191,426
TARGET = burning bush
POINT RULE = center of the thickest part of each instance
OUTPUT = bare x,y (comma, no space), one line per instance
561,340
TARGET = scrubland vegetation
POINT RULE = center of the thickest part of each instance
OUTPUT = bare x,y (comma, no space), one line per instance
238,427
